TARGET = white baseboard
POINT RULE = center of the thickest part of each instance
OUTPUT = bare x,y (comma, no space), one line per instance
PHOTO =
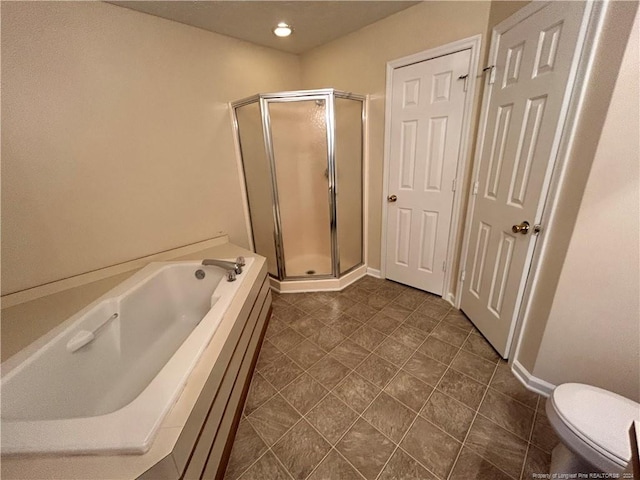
532,383
451,298
374,273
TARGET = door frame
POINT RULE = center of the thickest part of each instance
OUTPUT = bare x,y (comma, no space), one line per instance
587,37
466,140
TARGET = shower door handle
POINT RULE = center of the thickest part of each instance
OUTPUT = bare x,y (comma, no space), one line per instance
392,198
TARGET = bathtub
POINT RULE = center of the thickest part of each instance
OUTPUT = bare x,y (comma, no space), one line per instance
103,381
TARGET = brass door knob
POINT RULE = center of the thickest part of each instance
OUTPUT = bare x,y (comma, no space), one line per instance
523,228
392,198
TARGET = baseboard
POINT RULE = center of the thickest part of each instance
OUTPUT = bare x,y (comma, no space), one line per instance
451,298
374,272
535,384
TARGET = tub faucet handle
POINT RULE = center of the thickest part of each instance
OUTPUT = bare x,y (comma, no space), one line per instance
241,261
231,276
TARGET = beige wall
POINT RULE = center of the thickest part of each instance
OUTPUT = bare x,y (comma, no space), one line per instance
357,63
116,138
592,333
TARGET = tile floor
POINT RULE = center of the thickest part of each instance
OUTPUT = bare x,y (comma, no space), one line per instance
382,381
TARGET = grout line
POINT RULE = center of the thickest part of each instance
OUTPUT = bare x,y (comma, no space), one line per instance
278,392
475,415
284,467
397,445
304,417
332,446
464,443
429,299
242,472
506,429
360,415
526,453
533,426
258,431
427,401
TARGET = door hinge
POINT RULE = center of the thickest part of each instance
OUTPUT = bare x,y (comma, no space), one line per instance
492,73
475,188
453,185
462,275
464,77
444,266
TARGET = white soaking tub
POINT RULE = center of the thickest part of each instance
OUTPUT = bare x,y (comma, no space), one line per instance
104,380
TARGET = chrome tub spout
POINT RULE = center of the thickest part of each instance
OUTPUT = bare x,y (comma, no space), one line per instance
232,268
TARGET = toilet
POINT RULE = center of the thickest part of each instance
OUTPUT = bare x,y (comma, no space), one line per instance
593,426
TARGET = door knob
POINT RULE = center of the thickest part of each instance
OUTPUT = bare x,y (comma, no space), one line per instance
392,198
523,228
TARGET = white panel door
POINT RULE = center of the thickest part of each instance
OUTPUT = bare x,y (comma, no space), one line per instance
426,125
523,114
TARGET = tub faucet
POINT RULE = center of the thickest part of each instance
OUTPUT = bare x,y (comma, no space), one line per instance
230,267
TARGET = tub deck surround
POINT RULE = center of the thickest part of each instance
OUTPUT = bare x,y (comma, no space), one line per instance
116,368
172,440
385,382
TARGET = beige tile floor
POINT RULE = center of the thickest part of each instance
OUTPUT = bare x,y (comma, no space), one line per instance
382,381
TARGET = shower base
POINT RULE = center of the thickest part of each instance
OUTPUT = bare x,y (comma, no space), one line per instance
301,265
318,285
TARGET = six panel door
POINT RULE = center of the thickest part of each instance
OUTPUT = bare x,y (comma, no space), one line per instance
426,127
525,111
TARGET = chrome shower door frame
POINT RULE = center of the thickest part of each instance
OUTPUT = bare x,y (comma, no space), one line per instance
362,100
301,96
328,95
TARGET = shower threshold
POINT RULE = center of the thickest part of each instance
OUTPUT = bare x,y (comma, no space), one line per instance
310,284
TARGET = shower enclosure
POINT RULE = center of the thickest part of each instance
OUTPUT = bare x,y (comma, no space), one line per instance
302,156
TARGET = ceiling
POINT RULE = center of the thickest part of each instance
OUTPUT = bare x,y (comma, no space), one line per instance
314,22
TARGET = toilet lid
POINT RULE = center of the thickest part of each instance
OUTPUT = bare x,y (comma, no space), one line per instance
600,418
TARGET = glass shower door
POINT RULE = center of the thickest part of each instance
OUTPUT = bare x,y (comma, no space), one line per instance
348,157
257,173
300,155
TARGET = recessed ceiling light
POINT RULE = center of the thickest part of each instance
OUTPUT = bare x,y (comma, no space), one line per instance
282,30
